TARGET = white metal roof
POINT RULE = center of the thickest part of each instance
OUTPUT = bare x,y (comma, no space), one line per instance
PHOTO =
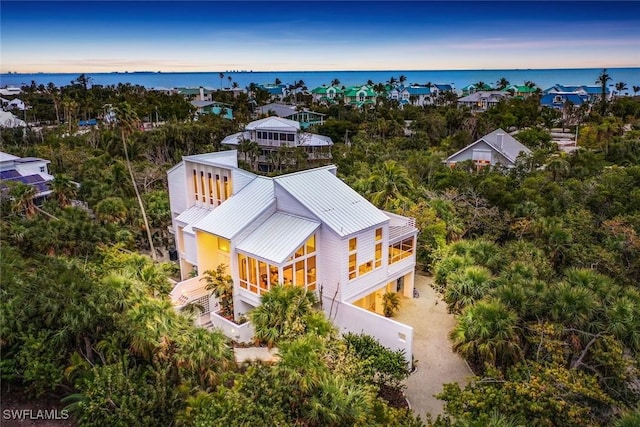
191,216
274,123
278,237
236,138
336,204
5,157
313,140
217,158
235,213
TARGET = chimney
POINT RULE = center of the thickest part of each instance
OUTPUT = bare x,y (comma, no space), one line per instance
501,141
201,93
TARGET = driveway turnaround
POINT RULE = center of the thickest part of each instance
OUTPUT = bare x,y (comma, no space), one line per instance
436,362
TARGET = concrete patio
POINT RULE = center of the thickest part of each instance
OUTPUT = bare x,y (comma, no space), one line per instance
436,362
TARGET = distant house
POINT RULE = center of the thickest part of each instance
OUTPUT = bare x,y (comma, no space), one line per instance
520,90
417,95
272,136
10,91
437,89
327,94
306,229
275,91
28,170
213,107
196,93
14,104
558,100
482,101
359,96
303,116
496,148
473,88
592,93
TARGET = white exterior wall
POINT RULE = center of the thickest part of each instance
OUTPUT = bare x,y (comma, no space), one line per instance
468,154
206,169
177,191
332,262
391,334
32,168
362,285
190,253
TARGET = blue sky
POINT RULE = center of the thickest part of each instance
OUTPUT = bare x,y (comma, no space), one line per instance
93,36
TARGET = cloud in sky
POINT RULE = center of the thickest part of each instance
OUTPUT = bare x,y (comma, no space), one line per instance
215,35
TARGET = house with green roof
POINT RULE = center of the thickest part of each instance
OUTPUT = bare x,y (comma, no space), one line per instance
522,91
360,96
473,88
326,94
195,93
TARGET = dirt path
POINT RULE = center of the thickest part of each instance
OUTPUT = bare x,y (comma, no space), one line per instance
437,363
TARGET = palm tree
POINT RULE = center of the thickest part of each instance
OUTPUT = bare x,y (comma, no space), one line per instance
221,75
402,79
620,86
64,189
230,79
127,122
636,89
22,198
389,181
111,209
502,83
487,332
466,286
221,285
335,82
603,79
204,355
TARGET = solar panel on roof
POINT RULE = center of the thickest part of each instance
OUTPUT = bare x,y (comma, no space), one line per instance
9,174
30,179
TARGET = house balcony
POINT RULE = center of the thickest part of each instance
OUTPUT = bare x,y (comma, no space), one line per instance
188,291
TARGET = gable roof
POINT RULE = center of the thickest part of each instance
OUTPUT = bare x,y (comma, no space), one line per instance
332,201
278,237
511,147
284,110
549,99
418,90
274,123
444,87
235,213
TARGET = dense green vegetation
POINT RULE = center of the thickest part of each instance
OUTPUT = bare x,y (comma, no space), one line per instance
540,264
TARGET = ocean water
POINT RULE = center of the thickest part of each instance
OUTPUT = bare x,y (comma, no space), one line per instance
544,78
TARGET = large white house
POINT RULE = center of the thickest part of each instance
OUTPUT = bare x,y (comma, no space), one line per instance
306,229
28,170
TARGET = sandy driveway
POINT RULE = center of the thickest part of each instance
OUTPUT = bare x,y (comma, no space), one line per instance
437,363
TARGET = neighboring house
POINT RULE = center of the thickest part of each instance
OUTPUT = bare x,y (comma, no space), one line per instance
10,91
359,96
307,229
301,115
165,90
522,91
15,104
592,93
28,170
196,93
496,148
213,107
482,101
416,95
273,136
437,89
473,88
275,91
327,94
558,100
235,91
395,93
8,120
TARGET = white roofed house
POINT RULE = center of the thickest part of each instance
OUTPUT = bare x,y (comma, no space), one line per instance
32,171
280,144
306,229
496,148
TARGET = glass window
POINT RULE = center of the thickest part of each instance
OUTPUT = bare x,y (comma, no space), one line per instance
311,270
287,272
218,188
378,234
202,190
365,268
353,244
242,267
311,244
226,187
300,276
283,137
274,278
300,252
262,271
352,266
210,189
270,135
378,255
252,271
276,136
291,137
195,183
